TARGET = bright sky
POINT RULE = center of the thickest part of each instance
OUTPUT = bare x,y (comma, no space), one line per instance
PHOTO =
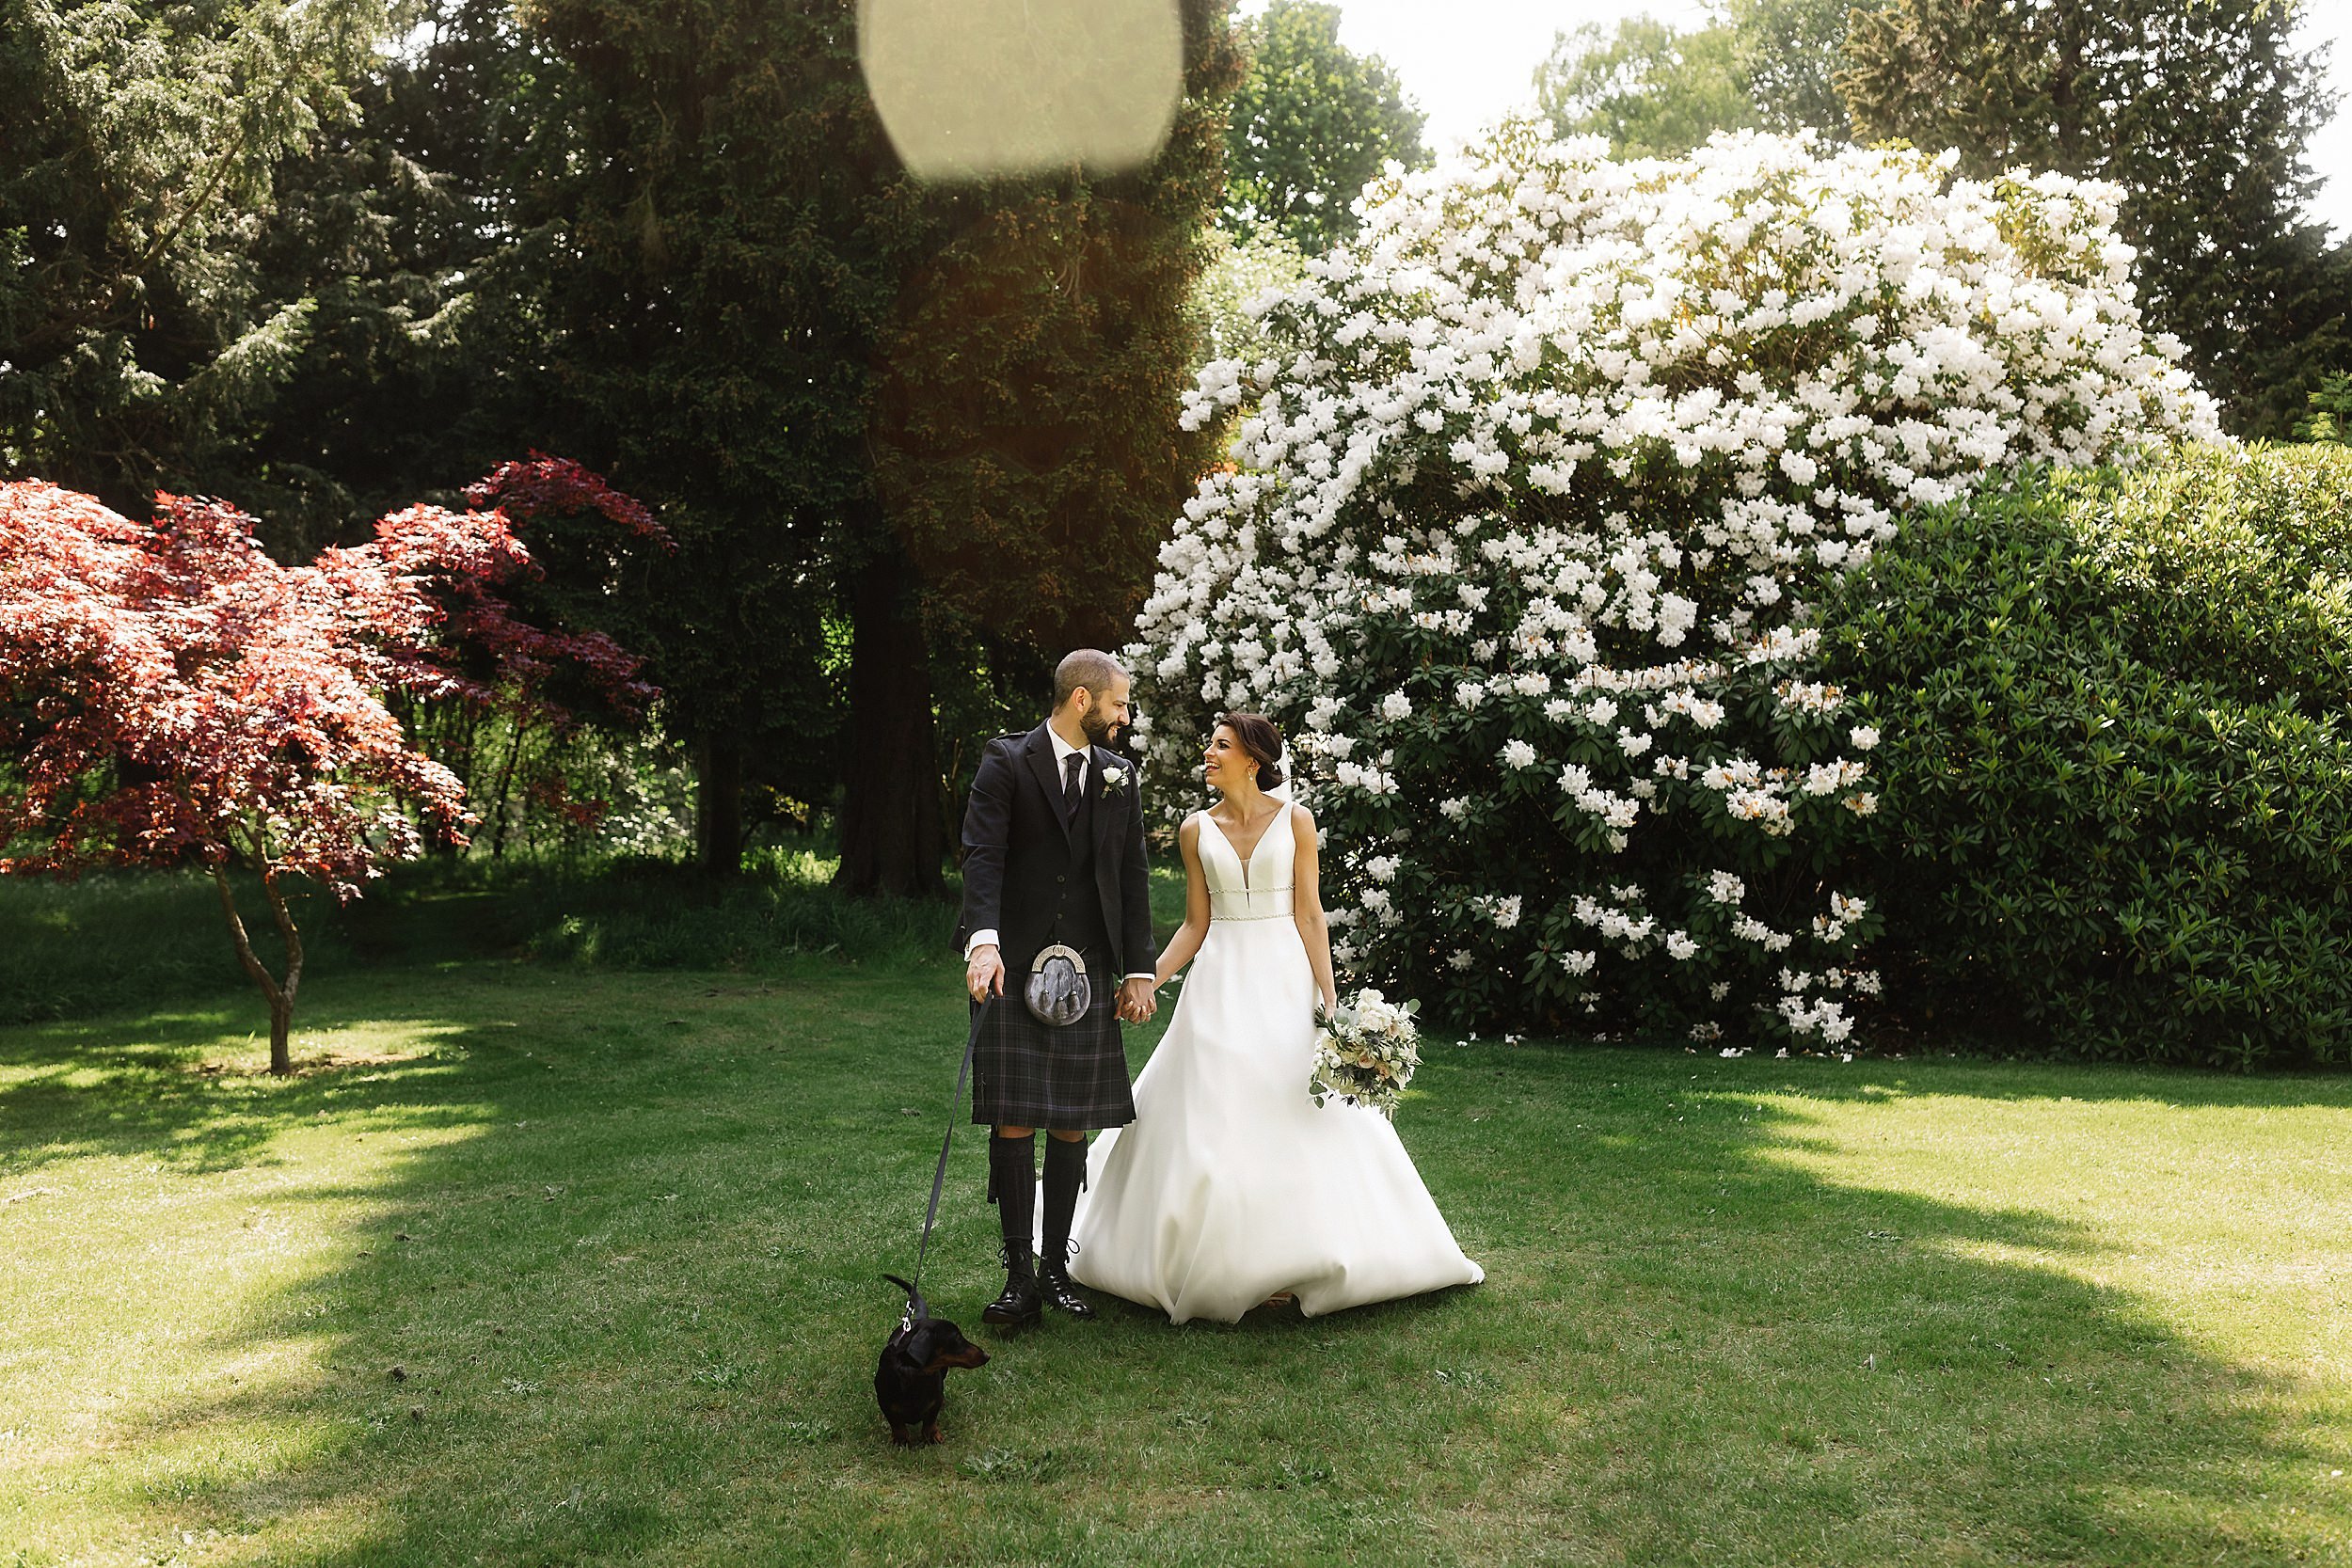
1465,61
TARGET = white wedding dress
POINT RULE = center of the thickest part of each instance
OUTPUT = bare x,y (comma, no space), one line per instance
1230,1185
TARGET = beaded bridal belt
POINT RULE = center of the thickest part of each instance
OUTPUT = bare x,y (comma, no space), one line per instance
1279,914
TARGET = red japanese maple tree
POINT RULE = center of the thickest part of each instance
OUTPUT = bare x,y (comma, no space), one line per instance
587,536
169,694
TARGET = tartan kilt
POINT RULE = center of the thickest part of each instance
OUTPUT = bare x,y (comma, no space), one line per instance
1030,1074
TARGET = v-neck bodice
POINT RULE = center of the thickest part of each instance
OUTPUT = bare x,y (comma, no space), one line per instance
1257,888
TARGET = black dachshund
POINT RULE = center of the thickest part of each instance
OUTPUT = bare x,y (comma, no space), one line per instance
911,1384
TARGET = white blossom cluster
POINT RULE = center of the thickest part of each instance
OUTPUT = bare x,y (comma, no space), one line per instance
1526,507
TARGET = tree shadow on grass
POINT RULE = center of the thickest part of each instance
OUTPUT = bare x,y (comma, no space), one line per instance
188,1087
1799,1299
635,1309
1980,1077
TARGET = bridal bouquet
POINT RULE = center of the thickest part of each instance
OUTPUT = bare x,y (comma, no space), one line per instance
1367,1052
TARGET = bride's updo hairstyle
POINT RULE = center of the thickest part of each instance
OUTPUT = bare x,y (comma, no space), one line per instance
1257,736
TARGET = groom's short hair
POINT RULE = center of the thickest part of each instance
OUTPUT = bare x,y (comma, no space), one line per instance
1089,667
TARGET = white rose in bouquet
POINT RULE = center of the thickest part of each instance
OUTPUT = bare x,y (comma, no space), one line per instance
1366,1054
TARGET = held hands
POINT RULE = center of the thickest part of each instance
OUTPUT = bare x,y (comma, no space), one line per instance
984,976
1137,1004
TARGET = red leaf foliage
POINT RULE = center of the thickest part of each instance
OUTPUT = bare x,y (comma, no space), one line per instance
169,692
523,656
545,486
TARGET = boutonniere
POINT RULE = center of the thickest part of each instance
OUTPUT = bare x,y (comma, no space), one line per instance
1114,780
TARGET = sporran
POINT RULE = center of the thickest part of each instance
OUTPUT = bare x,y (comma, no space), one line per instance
1058,991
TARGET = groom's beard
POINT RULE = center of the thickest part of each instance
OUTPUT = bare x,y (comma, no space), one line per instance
1099,731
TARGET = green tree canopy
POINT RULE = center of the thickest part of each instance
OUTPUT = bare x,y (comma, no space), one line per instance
729,230
1787,55
1312,123
881,415
426,356
2201,113
1238,272
1652,90
140,333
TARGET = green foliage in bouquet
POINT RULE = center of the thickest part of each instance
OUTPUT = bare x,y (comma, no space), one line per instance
1366,1051
2117,769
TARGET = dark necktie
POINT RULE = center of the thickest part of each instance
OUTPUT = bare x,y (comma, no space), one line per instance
1071,765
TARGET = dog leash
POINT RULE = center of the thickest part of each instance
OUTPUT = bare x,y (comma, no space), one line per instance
939,1178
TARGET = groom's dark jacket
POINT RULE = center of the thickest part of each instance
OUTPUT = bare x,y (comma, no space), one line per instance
1036,880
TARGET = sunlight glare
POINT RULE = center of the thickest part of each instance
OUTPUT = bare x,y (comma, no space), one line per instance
973,89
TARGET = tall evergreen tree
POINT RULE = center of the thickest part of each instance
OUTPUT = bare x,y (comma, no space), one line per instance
426,356
1310,124
141,335
2201,112
875,412
1025,443
731,231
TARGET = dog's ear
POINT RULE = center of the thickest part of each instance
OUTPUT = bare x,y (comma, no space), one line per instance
916,1346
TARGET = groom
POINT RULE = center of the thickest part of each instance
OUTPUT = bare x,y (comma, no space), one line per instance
1053,852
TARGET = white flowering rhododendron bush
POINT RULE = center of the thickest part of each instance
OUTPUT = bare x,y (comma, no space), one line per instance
1522,522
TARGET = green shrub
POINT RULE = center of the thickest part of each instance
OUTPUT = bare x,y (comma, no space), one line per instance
132,939
121,940
2329,417
661,914
2116,768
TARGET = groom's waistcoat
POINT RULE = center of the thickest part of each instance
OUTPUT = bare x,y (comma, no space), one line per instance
1037,877
1076,916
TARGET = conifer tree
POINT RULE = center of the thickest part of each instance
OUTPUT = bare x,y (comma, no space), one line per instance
882,417
1027,447
423,220
140,336
2202,112
729,226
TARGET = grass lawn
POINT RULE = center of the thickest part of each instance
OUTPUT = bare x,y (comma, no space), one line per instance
555,1266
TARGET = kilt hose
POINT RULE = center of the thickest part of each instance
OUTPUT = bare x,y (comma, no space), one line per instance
1030,1074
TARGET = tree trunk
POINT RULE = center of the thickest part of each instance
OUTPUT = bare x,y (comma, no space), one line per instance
280,997
719,805
2063,82
506,785
282,1038
893,832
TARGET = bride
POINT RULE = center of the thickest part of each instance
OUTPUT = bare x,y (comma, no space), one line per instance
1231,1188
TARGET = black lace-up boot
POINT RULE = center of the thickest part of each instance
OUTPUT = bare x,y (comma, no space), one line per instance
1065,1177
1013,1184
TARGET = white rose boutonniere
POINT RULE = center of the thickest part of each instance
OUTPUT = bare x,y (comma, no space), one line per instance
1114,780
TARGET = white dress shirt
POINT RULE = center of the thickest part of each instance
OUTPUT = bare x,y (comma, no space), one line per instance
1063,752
